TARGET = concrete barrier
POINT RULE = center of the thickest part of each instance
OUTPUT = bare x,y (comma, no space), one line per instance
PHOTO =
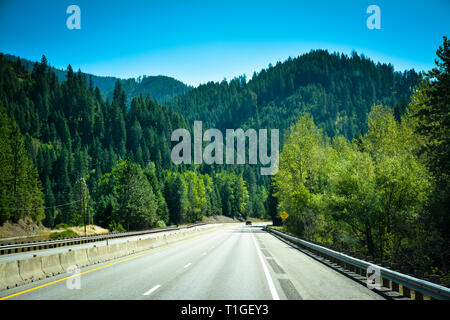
160,242
144,244
155,243
51,265
16,273
9,275
123,250
169,238
177,236
31,269
117,250
81,258
132,247
103,253
67,260
93,256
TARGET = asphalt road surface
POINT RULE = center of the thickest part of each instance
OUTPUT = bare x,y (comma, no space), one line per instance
232,263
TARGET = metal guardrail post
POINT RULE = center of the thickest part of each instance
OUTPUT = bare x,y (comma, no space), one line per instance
394,285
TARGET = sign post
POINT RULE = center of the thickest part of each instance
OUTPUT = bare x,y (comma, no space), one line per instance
284,215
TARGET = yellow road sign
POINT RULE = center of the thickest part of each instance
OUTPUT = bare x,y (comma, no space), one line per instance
284,215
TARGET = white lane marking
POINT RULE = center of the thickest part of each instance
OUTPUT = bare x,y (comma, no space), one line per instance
186,266
149,292
273,291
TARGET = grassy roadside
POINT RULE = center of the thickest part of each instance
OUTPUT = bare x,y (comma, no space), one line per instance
64,231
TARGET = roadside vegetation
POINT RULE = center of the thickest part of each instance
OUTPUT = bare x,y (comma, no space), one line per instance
384,194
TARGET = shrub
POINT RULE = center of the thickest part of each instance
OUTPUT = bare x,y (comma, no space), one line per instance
64,234
62,226
114,226
160,224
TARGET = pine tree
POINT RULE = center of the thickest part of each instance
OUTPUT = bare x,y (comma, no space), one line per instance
49,202
20,193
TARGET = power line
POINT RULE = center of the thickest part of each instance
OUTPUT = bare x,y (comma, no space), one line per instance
61,205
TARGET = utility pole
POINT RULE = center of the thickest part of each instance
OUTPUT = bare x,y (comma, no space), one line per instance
88,211
84,211
83,204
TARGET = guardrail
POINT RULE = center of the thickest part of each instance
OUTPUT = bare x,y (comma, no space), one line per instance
393,280
19,272
48,244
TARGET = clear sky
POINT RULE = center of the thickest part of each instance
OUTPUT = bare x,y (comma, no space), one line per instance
198,41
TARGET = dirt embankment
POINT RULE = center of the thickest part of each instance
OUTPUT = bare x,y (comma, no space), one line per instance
218,219
23,229
27,230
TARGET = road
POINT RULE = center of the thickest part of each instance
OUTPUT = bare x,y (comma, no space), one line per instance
232,263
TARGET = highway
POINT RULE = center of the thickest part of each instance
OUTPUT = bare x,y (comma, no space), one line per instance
232,263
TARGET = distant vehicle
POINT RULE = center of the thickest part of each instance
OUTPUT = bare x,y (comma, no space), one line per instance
248,223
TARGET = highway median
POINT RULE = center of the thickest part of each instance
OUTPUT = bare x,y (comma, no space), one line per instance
19,272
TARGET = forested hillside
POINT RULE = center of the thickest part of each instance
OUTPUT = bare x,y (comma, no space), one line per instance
106,156
162,89
81,142
364,165
337,90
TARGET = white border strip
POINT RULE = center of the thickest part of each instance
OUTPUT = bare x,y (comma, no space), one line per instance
273,291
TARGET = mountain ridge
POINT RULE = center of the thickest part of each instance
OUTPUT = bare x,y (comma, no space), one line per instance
162,88
337,90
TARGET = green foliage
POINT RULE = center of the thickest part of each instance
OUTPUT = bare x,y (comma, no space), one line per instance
20,188
234,194
301,164
430,105
429,109
160,224
129,192
116,227
62,226
63,234
163,89
367,195
176,196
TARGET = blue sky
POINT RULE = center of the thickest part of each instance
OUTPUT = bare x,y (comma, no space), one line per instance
198,41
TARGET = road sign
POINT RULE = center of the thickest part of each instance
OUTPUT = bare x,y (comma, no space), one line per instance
284,215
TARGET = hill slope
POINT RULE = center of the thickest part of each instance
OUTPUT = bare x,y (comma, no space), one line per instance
161,88
337,90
